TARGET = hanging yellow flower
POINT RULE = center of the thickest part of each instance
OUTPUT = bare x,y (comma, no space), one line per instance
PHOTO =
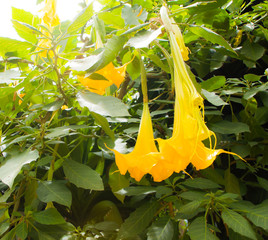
144,155
50,19
189,128
111,75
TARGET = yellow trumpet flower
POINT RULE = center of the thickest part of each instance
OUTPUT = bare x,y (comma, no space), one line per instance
50,19
189,130
111,75
144,155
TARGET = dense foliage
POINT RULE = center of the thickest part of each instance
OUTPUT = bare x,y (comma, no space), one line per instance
58,178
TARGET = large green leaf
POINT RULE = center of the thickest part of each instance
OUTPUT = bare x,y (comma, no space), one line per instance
103,105
259,215
138,220
54,191
226,127
190,209
213,83
49,216
117,181
211,36
213,98
82,175
22,230
200,183
24,17
100,58
162,229
11,168
8,76
199,229
102,121
144,38
231,183
238,223
20,48
82,18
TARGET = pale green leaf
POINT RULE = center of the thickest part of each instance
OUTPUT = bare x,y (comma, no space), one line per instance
82,18
12,166
231,183
82,175
213,98
103,105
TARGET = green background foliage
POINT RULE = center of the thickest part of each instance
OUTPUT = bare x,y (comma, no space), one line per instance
58,179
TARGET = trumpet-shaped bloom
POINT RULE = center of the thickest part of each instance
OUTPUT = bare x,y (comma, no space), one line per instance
144,155
189,128
50,19
111,75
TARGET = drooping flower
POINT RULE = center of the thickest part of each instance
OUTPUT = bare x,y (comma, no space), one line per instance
50,19
189,130
144,155
107,75
111,75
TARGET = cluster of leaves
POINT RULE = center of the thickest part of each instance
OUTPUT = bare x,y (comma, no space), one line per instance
58,179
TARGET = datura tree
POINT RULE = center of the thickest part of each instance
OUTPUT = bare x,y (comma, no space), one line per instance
143,120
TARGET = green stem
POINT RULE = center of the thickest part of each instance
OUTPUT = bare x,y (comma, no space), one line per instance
143,80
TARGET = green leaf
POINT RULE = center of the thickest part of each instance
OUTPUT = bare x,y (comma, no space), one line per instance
20,48
63,131
162,229
199,229
54,191
22,16
11,168
253,91
117,181
213,83
238,223
211,36
231,183
200,183
110,18
138,220
137,190
132,15
252,77
22,230
95,62
193,195
8,76
226,127
253,51
102,121
213,98
190,209
263,182
82,18
49,216
54,106
259,215
148,4
144,38
82,175
103,105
